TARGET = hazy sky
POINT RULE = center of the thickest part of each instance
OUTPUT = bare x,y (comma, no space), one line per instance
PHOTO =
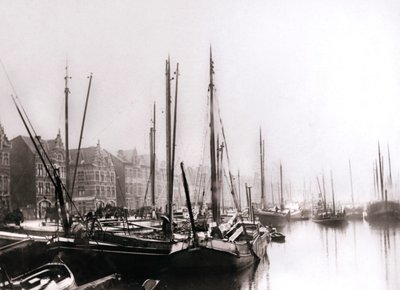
322,78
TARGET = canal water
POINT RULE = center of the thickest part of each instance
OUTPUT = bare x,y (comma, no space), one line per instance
351,257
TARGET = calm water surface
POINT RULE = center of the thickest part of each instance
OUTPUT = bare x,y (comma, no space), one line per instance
354,256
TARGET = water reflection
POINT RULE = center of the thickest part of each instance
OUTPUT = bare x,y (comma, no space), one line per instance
354,256
254,277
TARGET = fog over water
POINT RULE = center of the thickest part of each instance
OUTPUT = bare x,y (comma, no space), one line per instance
320,77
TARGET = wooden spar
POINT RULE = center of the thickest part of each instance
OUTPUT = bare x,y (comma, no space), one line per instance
281,180
262,172
153,158
66,91
377,179
214,185
172,165
168,138
380,172
221,178
239,194
81,135
351,184
390,169
324,191
189,205
272,193
333,195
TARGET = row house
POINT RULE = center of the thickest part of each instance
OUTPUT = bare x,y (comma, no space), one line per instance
133,174
5,153
95,184
31,188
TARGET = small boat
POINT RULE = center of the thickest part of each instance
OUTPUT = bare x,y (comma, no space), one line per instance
48,276
329,218
278,216
276,236
324,215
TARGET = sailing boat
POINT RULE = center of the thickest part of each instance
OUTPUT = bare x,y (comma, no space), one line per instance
326,215
277,216
125,251
225,246
383,210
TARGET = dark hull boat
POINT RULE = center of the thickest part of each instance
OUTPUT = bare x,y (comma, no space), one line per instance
270,217
241,247
383,211
330,219
121,253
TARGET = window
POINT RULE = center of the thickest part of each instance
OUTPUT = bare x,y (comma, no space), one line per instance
81,175
39,171
108,191
81,190
1,183
47,188
112,177
40,187
97,176
102,176
60,157
5,184
62,175
102,191
5,159
113,192
97,191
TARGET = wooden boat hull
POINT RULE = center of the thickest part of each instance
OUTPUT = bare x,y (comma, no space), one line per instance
48,276
330,221
383,211
222,254
268,218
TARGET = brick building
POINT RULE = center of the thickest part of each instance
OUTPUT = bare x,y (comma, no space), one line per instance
95,183
31,187
5,153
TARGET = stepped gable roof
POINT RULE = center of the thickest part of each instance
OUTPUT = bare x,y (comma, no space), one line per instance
48,145
90,155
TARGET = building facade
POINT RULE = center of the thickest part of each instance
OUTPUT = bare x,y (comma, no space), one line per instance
5,174
95,183
31,188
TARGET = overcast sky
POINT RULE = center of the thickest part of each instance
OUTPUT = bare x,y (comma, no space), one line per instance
322,78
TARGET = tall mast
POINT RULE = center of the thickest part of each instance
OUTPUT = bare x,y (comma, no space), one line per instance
239,194
66,91
262,171
168,136
333,195
280,171
172,165
153,158
351,184
214,185
324,191
390,169
380,171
